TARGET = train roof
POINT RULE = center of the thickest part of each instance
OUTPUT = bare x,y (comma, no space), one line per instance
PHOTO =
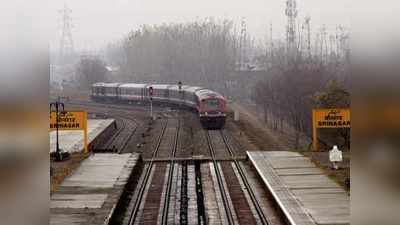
205,93
194,89
158,86
176,87
132,85
106,84
199,91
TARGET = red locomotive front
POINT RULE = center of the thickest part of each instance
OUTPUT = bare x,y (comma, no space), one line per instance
212,111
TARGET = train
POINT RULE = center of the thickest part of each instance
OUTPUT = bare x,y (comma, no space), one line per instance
209,105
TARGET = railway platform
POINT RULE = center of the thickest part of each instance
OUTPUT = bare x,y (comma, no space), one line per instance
91,193
72,141
303,192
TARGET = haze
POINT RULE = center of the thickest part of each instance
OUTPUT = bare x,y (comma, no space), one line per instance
98,22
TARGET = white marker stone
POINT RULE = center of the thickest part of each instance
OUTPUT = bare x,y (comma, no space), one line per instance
335,156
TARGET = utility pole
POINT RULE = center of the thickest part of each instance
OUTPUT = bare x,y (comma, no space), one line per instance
235,46
291,13
300,43
326,45
308,40
344,45
323,44
66,43
337,44
271,42
332,47
317,46
242,44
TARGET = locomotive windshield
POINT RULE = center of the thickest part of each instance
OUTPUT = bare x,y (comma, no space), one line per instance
212,104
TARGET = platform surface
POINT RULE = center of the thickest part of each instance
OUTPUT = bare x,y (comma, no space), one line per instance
90,194
304,192
72,141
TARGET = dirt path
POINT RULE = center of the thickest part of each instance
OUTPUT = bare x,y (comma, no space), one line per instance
252,122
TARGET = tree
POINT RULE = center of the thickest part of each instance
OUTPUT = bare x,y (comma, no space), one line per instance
198,53
90,70
334,96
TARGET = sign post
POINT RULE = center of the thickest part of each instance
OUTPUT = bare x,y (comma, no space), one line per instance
85,133
57,105
315,138
70,120
329,118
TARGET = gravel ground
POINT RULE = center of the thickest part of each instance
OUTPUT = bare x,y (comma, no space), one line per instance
61,170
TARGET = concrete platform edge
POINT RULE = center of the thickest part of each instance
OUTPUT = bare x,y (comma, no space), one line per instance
281,205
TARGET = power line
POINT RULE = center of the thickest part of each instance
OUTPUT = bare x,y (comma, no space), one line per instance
66,43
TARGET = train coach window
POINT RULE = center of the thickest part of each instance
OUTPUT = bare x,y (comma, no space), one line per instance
212,103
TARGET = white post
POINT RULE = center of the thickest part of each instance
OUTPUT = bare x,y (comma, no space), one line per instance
335,156
236,115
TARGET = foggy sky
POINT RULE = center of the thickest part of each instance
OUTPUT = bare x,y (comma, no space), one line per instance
97,22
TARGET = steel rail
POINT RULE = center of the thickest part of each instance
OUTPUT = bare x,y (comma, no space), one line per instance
143,185
116,134
250,191
164,218
131,132
225,201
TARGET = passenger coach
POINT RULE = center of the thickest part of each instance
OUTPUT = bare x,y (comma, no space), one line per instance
209,105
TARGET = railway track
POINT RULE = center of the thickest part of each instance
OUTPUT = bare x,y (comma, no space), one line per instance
152,201
126,125
164,219
119,141
219,140
146,209
225,200
249,189
141,189
113,106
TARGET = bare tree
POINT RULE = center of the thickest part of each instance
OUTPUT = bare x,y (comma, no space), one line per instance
90,70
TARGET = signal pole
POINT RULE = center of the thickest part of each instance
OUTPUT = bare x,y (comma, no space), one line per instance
180,93
151,102
151,108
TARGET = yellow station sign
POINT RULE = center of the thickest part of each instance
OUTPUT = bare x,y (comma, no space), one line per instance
70,120
329,118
